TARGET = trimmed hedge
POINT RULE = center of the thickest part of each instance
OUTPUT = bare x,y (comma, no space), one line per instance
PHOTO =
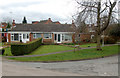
25,48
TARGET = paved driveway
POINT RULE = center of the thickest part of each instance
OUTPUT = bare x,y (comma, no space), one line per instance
98,67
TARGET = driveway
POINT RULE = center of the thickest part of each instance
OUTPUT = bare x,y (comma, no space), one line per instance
98,67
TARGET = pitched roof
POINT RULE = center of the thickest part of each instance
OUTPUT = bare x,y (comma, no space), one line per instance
44,27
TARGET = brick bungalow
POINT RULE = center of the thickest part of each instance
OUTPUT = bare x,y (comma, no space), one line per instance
50,33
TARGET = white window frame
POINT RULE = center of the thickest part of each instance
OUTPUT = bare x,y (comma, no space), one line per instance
56,37
12,35
34,35
68,39
20,35
49,35
25,36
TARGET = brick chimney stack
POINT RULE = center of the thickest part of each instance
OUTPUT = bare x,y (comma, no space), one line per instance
49,21
73,24
13,23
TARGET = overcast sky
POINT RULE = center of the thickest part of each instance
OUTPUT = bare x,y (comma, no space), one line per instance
36,10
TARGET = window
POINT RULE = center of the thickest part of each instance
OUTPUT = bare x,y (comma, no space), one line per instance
20,36
16,37
25,36
55,37
34,35
47,36
12,37
68,37
38,35
63,37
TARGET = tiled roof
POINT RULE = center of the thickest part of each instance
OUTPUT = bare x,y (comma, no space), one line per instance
44,27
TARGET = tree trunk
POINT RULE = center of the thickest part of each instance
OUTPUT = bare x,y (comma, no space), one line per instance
98,42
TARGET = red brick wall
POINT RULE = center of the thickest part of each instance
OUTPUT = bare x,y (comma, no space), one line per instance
30,37
73,38
0,37
85,36
52,38
49,21
9,37
47,40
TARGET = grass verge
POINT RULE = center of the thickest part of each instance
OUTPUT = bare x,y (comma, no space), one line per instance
78,55
88,45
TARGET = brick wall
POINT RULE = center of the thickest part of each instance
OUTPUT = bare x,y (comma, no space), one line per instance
0,37
73,38
85,36
9,37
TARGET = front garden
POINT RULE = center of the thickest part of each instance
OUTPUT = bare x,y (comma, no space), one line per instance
78,55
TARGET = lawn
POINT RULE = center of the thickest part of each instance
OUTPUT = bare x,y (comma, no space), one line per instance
50,49
0,44
88,45
43,49
78,55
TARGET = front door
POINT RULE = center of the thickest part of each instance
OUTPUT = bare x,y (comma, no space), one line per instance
59,38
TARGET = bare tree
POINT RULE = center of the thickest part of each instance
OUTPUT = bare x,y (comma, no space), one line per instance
97,11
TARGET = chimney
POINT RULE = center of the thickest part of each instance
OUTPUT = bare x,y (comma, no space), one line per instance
49,19
13,24
73,24
72,21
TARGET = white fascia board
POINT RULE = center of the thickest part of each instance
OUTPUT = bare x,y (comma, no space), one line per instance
3,32
18,32
38,32
63,32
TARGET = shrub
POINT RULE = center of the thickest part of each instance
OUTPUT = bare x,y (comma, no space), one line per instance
109,40
2,51
68,43
4,39
25,48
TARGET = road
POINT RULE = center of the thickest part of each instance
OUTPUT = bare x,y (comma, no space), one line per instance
98,67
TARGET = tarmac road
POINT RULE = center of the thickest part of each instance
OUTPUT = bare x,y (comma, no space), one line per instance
97,67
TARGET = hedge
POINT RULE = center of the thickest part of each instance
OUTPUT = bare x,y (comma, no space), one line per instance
25,48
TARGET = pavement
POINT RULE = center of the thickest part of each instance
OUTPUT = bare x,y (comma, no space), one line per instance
96,67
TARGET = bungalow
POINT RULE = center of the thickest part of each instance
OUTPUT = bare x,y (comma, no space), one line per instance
50,33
